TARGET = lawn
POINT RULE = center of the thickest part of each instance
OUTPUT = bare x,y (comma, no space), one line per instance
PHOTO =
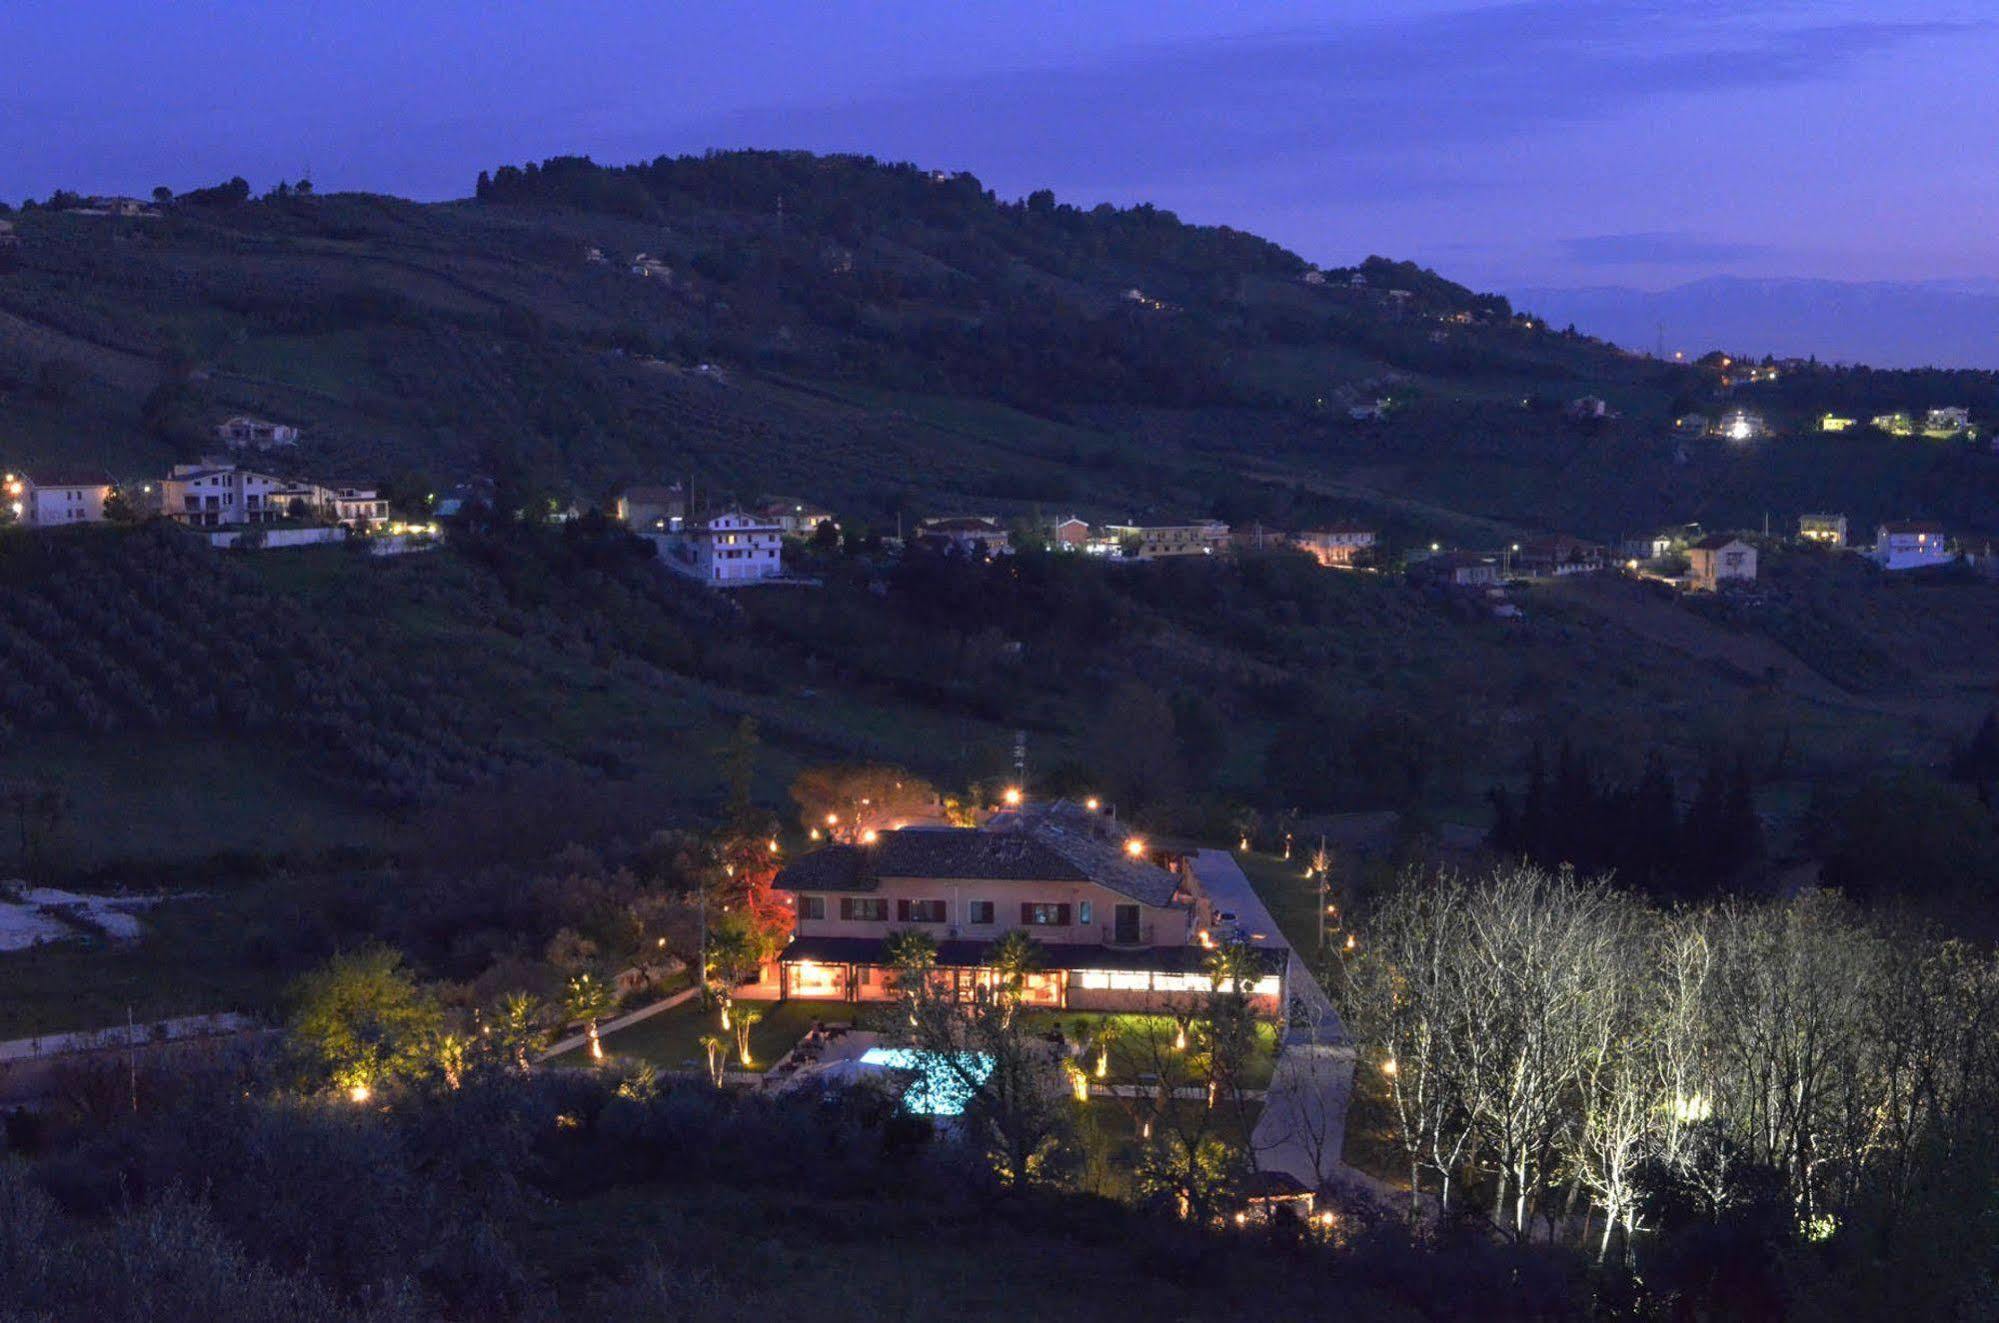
1139,1038
178,968
1291,900
671,1040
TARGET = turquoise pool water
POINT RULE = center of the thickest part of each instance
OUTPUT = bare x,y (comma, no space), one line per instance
940,1088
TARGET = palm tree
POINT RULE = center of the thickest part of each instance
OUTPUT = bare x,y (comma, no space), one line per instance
519,1021
718,1057
1098,1044
589,999
732,958
744,1023
1012,958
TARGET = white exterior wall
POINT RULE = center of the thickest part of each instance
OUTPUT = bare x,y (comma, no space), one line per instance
738,549
1910,551
59,507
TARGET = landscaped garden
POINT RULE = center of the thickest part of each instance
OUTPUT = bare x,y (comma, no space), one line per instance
671,1040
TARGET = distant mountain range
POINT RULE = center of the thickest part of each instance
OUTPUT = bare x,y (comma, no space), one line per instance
1935,323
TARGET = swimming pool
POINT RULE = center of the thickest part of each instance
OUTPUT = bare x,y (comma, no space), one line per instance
940,1088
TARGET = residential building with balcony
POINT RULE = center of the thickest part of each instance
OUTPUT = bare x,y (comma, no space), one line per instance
726,550
1209,537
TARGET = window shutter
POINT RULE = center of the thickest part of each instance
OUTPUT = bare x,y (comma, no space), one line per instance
1062,916
1027,911
902,911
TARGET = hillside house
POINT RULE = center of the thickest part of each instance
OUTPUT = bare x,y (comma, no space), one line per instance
211,495
647,267
652,509
1457,569
350,504
1825,529
1589,407
1911,545
1556,557
1314,277
1947,422
1692,424
1120,928
968,535
1832,422
1209,537
796,518
244,433
1370,413
1259,537
1718,560
1338,546
1068,533
59,498
1648,546
731,549
1741,425
1898,423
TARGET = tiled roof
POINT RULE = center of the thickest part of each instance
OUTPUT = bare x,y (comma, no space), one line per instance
1716,542
1036,848
69,478
961,526
1912,526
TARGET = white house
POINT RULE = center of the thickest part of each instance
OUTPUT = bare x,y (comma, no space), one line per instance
796,518
212,495
1720,559
1910,545
1338,546
1209,537
243,433
727,550
350,504
970,535
56,498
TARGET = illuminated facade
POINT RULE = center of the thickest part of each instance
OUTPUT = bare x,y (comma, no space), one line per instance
53,499
726,550
1114,932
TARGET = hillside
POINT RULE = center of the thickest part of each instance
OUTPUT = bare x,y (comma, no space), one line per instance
892,342
880,336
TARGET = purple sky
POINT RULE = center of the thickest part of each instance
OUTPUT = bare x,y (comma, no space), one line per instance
1540,142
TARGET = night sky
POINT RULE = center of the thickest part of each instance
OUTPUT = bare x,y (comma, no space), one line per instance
1548,142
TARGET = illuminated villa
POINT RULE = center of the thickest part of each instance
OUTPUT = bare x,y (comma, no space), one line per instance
1121,925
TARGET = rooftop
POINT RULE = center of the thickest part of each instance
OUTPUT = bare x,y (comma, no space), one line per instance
1040,846
61,477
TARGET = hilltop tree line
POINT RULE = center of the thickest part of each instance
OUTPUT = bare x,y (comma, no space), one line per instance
1573,815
